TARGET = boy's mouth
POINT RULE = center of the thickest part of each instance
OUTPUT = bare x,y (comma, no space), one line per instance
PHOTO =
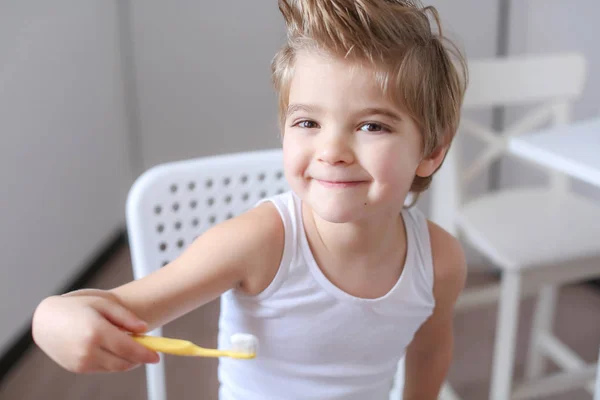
339,183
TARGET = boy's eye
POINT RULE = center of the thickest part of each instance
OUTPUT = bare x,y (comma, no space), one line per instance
307,124
372,127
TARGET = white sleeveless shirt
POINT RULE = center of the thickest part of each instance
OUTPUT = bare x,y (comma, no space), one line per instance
317,341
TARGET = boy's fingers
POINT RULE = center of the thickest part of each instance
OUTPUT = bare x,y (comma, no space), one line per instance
122,345
111,362
121,317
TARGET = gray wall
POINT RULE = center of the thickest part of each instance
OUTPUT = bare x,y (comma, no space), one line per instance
63,158
203,78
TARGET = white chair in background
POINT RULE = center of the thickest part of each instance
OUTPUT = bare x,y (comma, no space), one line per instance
535,235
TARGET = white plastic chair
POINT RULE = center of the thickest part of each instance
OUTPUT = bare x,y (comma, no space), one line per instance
171,204
533,234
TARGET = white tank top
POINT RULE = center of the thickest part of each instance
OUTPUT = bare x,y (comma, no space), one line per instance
317,341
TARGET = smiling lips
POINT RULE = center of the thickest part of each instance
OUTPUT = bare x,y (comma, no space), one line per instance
339,184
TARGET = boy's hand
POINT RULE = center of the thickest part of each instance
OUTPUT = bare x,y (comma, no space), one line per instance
88,333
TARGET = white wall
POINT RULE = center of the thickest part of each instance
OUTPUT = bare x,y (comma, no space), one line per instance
63,159
555,25
472,23
203,76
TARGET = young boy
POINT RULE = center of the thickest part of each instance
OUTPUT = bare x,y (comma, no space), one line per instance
336,278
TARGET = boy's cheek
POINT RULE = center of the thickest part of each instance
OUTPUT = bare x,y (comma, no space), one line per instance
295,163
394,171
295,151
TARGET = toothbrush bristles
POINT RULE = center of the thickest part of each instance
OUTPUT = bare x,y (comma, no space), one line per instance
244,343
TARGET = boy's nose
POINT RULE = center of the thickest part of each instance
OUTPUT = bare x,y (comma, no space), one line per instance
335,150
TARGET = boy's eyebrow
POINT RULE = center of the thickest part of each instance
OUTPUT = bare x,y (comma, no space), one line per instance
381,111
292,108
395,117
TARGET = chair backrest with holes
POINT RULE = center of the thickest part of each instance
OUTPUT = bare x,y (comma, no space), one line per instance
171,204
551,81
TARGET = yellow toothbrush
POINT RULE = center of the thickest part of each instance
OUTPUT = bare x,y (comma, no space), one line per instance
244,346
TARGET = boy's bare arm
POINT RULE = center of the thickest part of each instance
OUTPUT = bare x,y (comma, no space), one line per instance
429,355
242,253
86,331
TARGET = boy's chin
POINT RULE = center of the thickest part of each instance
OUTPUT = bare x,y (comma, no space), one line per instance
350,209
339,213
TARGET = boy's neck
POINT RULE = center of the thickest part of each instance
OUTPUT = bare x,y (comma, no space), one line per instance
375,240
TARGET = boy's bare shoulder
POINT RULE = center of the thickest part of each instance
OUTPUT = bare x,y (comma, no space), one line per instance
449,264
260,223
258,236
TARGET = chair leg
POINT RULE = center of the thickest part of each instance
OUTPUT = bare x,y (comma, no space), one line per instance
155,381
155,376
398,383
447,393
506,335
543,321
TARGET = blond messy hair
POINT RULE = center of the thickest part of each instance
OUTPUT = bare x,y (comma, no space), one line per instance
413,63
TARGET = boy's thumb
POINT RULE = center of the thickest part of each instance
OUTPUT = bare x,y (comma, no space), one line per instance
121,317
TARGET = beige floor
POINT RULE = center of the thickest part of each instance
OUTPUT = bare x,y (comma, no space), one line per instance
37,377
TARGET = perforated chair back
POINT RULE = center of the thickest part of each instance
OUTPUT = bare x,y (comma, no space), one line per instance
171,204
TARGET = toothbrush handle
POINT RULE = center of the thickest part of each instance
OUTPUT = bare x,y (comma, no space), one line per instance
164,345
176,347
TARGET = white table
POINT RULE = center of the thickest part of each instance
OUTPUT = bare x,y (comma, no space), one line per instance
573,149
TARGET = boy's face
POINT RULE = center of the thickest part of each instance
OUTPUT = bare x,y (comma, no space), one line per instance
349,151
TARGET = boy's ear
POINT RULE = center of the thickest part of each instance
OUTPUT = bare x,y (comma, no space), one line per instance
432,162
